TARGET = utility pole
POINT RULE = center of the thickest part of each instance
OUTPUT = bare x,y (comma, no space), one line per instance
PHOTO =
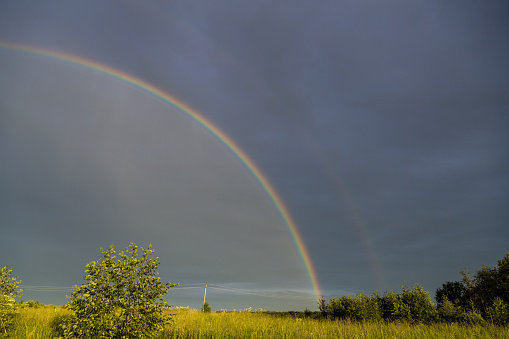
205,294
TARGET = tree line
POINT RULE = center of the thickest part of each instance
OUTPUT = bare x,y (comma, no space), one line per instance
122,297
477,298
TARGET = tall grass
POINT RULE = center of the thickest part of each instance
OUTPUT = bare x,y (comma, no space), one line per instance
194,324
43,323
40,322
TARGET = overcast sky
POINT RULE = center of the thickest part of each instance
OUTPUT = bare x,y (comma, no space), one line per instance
383,126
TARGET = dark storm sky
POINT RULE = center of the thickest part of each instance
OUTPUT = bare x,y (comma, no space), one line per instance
382,125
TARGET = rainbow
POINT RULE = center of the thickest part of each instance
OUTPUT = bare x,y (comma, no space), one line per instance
201,120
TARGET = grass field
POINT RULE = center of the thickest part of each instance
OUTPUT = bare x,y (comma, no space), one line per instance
40,322
43,323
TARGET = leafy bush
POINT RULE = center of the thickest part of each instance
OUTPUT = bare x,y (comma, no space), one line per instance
7,314
410,305
454,291
206,307
499,312
342,308
33,304
391,307
419,305
322,306
58,320
477,293
471,317
359,307
121,297
449,311
8,290
369,308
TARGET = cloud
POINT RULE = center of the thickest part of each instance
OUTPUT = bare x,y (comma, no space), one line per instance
382,126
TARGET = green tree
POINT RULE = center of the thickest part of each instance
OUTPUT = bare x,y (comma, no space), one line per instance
8,290
453,291
487,285
206,307
449,311
122,297
418,303
322,306
490,284
413,304
477,297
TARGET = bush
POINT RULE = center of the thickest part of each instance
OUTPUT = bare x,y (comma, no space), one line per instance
471,317
369,309
411,305
33,304
8,290
344,307
323,307
359,307
206,307
499,312
477,293
419,305
121,299
391,307
7,316
449,311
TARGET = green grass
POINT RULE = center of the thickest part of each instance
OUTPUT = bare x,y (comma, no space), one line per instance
193,324
42,323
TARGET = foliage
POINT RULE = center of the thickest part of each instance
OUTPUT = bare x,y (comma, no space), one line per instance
38,322
359,307
206,307
322,306
8,290
411,305
453,291
393,307
499,312
449,311
31,303
195,324
8,284
477,297
490,284
41,323
419,305
122,298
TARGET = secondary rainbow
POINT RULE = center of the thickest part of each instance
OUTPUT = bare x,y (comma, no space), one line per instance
201,120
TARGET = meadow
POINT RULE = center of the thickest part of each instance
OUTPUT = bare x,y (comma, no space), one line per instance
42,322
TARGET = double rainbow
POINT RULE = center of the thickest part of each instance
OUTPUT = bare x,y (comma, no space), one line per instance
201,120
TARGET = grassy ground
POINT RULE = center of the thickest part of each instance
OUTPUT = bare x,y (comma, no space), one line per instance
42,323
193,324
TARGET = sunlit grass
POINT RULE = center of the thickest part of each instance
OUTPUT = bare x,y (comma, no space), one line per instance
194,324
43,322
40,322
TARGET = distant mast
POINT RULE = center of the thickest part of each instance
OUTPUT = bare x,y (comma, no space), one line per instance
205,294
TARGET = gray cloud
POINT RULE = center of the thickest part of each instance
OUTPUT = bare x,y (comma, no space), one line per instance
382,126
